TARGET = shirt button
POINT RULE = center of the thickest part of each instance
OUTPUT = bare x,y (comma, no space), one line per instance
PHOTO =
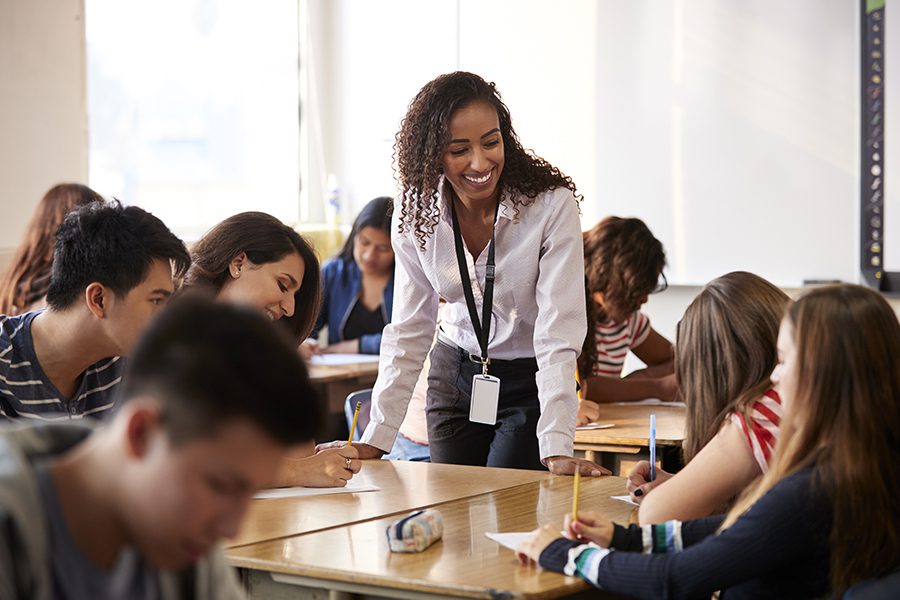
73,409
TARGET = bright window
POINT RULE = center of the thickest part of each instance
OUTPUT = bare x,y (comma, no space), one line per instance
193,107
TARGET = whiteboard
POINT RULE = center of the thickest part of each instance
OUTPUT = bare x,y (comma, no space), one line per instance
731,128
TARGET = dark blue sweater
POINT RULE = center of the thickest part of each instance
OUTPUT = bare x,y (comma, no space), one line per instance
779,549
341,284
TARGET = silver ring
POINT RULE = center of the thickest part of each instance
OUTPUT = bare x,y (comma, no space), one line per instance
348,463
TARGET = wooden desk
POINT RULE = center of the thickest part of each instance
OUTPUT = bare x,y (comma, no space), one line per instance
356,559
404,487
630,434
328,374
334,384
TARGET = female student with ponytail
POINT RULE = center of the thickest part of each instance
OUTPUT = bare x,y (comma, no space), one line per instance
824,517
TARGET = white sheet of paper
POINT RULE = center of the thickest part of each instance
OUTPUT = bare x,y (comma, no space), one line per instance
509,540
626,499
649,402
594,426
306,492
338,360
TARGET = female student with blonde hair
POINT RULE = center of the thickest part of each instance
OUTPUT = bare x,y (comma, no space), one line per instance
24,284
824,517
725,353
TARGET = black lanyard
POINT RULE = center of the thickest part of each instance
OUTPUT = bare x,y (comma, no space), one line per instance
482,329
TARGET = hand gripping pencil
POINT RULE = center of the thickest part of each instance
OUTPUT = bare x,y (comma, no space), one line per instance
353,425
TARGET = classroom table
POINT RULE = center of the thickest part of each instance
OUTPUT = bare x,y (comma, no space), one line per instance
404,486
354,558
626,442
334,384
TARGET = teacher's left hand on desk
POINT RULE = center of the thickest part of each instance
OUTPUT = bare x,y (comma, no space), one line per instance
330,468
566,465
365,450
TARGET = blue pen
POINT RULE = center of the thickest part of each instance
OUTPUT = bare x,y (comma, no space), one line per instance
652,447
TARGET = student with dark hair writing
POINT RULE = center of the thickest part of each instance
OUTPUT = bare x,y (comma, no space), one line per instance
213,397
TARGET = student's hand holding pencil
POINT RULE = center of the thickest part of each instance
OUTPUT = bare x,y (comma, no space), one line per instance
331,468
589,526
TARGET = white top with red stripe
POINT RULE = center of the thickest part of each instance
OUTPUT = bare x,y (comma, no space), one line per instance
614,340
764,428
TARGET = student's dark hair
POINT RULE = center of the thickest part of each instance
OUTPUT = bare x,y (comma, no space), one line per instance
209,363
264,239
423,138
111,244
376,213
27,277
622,261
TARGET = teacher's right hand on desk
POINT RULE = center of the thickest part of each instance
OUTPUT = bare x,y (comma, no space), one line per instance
566,465
639,484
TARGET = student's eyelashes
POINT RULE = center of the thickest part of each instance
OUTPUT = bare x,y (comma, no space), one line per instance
459,152
492,144
282,287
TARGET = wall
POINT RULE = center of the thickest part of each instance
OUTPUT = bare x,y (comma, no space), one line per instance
666,309
43,107
366,60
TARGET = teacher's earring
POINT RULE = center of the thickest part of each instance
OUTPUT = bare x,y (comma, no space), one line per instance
236,273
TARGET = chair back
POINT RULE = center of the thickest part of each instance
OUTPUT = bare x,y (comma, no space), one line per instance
365,398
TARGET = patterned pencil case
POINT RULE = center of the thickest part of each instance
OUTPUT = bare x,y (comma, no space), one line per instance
416,531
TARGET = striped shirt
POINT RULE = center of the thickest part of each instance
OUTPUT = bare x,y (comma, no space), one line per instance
614,340
762,431
779,548
27,393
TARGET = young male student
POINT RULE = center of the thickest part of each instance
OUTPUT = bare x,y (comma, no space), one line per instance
213,397
112,270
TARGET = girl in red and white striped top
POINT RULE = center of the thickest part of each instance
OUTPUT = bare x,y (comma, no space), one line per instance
623,265
762,427
725,353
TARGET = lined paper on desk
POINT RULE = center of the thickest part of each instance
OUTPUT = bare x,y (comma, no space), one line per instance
649,402
306,492
594,426
340,360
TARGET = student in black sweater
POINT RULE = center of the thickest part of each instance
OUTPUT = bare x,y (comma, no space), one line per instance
824,517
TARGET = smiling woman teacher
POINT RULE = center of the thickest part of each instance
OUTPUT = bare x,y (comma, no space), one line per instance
494,231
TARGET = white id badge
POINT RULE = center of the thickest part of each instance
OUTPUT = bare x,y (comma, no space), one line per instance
485,397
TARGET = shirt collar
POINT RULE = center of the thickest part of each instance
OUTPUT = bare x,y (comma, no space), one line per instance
507,210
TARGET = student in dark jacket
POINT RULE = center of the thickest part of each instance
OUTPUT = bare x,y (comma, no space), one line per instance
358,286
824,517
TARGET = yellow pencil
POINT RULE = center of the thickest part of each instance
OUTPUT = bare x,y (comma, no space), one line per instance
575,494
353,426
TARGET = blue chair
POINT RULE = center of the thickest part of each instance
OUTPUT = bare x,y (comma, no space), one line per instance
365,398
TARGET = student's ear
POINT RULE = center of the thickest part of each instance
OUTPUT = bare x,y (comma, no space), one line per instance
143,423
96,296
237,264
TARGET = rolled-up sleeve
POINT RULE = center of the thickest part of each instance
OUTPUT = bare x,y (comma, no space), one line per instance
559,329
404,342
